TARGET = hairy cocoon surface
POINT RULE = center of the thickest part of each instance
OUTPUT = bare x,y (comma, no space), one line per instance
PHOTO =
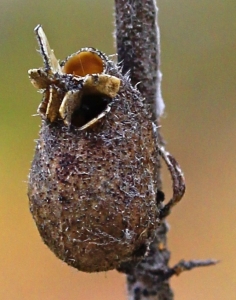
92,192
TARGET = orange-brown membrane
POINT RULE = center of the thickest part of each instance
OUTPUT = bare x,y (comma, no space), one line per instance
84,63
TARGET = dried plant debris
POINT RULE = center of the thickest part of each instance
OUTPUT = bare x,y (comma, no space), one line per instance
94,177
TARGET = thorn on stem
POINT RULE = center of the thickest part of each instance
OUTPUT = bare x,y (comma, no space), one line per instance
165,274
191,264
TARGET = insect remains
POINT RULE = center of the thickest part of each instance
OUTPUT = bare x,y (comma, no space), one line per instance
77,91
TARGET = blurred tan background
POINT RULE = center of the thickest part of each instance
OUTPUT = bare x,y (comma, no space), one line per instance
199,70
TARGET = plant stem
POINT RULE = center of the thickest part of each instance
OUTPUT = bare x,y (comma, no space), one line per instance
138,48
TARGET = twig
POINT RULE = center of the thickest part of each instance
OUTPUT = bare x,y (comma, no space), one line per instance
180,267
177,179
189,265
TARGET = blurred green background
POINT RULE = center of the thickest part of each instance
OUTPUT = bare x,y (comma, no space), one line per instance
198,45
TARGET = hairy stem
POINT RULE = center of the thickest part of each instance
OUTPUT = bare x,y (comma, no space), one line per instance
138,48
